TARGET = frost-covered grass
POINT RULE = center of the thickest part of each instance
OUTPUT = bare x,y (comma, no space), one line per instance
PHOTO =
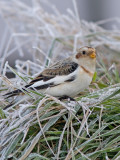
41,126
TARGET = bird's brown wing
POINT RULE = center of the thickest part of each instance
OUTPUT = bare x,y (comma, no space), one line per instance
60,68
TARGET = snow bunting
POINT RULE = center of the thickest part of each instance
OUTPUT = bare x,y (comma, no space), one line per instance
65,78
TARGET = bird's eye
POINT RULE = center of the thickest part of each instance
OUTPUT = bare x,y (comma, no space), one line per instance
83,52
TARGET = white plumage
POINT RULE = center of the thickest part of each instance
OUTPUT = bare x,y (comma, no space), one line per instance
67,77
71,89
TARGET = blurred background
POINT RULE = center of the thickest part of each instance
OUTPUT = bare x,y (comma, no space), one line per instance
105,13
88,10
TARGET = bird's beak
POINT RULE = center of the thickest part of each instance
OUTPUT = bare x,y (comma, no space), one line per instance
93,54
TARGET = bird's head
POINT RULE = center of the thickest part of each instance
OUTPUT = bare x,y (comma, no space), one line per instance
86,56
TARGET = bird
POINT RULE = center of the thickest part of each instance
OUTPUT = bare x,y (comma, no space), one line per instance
65,78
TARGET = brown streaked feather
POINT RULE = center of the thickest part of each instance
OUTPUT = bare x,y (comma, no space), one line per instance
63,67
60,68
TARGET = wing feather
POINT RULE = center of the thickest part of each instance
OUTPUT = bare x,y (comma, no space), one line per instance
56,74
61,68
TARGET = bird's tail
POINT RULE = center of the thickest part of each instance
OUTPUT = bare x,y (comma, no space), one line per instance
16,92
13,93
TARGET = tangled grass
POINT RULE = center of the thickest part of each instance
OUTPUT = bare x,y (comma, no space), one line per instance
40,126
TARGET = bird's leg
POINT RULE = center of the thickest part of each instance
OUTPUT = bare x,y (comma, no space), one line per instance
66,97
